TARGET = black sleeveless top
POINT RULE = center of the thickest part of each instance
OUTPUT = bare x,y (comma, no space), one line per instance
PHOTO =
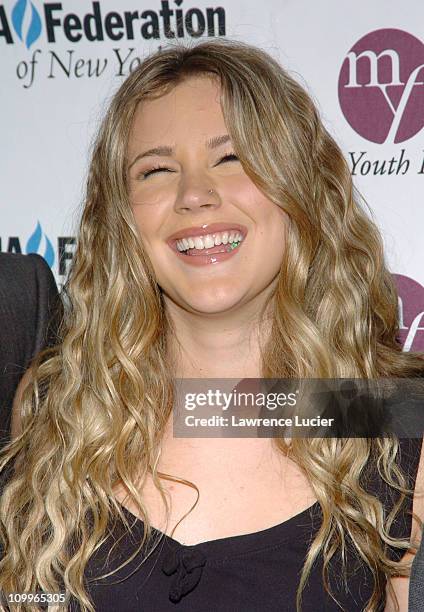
256,572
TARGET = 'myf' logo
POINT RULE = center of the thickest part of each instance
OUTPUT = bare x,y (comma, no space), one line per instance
25,20
381,86
411,313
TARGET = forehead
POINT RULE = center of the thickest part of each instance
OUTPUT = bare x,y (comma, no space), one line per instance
190,109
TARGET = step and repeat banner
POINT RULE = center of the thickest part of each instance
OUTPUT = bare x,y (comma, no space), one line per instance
363,63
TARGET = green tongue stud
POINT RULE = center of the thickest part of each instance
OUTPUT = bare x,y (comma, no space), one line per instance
234,244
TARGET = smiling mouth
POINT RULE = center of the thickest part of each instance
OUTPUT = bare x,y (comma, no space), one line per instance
208,244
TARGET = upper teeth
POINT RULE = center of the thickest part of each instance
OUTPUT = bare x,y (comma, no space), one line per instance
208,241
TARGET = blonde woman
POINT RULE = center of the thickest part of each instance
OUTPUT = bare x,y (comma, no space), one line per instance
103,503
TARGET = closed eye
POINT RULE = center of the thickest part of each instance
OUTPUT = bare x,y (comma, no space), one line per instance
229,157
154,170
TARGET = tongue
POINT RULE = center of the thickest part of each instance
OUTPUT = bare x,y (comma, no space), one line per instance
222,248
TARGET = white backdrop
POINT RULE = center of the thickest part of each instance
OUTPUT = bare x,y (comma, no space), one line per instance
362,62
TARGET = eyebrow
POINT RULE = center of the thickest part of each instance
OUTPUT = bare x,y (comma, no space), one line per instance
164,150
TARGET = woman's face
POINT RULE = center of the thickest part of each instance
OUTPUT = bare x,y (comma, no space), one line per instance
177,197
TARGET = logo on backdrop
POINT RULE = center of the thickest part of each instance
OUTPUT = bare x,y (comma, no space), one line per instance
381,95
40,243
50,24
381,86
33,30
411,313
34,242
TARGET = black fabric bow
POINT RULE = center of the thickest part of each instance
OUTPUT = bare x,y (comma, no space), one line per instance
188,566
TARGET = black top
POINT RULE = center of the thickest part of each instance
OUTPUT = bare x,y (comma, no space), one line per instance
257,572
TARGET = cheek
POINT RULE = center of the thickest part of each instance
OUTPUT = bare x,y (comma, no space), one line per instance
239,186
145,222
278,242
273,226
155,191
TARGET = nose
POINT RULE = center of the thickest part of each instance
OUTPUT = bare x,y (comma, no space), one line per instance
196,194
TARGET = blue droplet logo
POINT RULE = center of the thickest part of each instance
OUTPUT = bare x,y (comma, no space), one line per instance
34,29
34,242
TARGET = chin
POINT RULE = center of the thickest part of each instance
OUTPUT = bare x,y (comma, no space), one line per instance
212,306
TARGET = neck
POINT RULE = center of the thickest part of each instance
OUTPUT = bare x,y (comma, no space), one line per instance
218,345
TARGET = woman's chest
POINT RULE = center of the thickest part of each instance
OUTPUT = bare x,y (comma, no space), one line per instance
224,490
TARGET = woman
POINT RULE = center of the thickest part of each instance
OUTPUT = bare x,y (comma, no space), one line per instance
214,138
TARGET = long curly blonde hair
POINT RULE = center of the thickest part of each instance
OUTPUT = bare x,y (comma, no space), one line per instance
95,410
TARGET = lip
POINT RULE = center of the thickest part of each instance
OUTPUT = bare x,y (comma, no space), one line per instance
203,230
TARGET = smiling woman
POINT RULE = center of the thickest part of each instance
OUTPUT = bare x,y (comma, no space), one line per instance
221,237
